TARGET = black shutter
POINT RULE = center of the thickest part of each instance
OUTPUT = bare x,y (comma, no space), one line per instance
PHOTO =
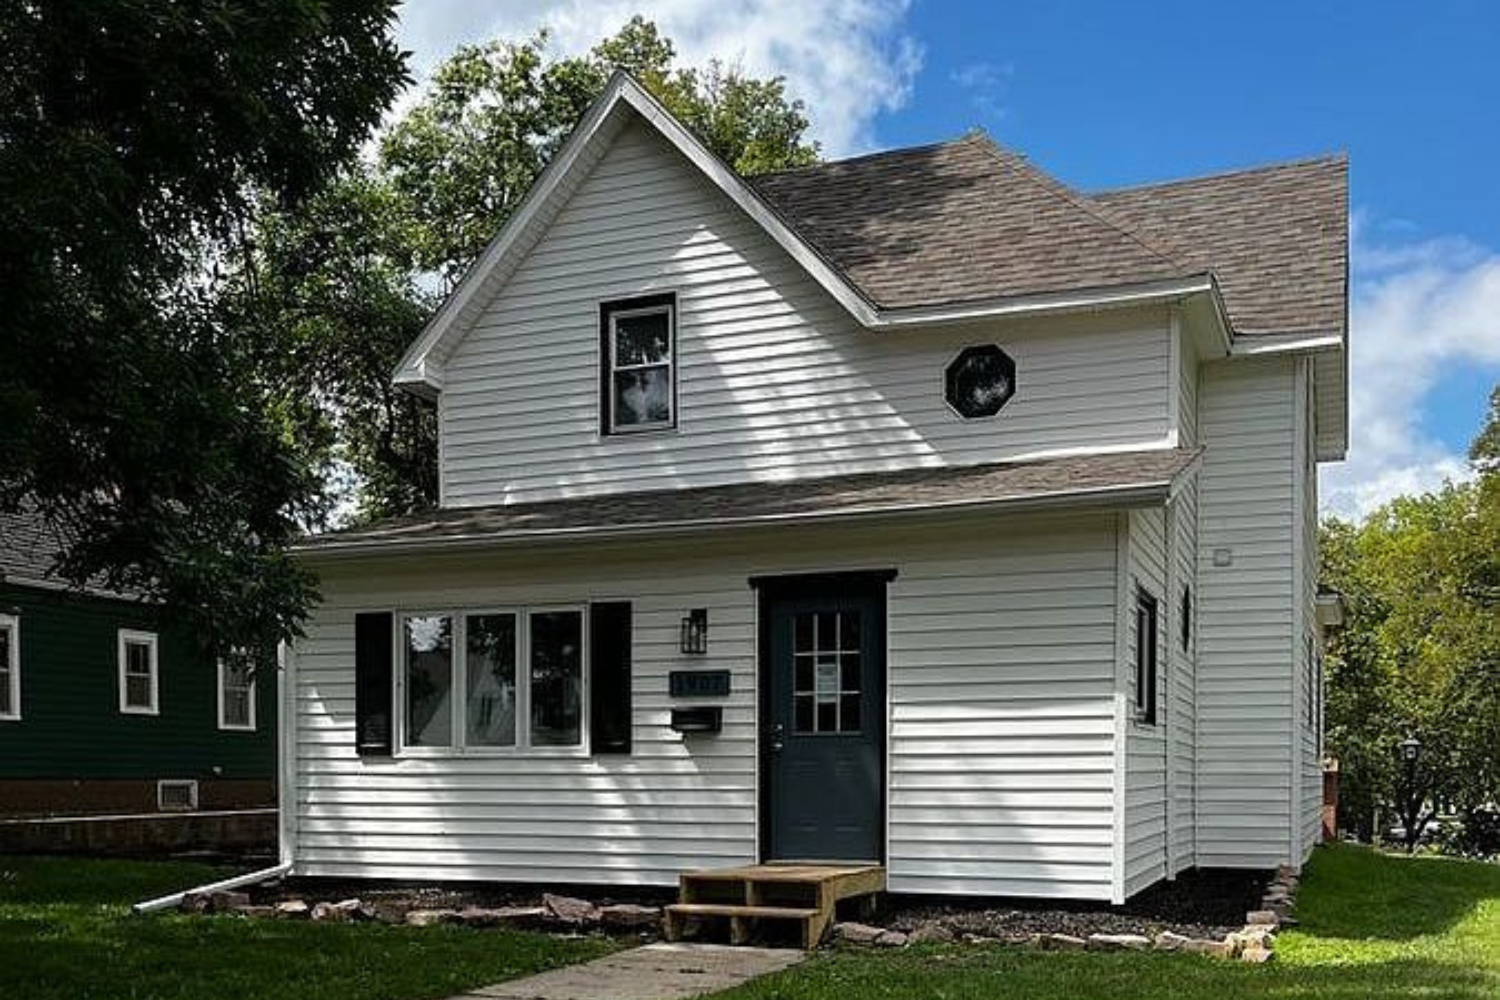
609,677
373,691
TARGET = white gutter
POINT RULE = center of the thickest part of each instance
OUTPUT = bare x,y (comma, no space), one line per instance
1136,494
1112,297
1250,345
224,885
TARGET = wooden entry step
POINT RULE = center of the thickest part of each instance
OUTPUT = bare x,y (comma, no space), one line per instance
805,893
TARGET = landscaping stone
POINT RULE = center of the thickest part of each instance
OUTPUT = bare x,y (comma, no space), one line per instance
630,916
1257,937
256,912
428,918
1063,942
1207,946
331,913
1257,955
225,901
1267,918
857,933
1170,941
570,910
930,932
1118,942
479,916
293,909
194,902
891,939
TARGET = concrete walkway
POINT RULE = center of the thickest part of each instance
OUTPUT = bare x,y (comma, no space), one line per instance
653,972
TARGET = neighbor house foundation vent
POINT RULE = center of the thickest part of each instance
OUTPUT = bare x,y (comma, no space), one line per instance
176,796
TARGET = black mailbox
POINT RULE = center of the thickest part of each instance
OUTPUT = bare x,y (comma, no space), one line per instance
699,719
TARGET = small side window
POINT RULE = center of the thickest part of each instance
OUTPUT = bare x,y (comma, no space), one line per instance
10,668
139,682
1145,658
237,693
638,349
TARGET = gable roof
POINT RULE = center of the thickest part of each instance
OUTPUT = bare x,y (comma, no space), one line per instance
1276,236
1089,238
28,547
1144,476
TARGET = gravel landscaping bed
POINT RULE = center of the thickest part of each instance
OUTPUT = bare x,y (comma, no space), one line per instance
1197,905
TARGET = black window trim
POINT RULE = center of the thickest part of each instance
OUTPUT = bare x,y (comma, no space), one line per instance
1147,667
636,305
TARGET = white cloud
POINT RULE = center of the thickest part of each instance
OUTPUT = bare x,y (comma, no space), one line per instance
1420,311
849,60
986,84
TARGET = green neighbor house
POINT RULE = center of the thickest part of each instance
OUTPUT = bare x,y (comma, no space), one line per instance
107,710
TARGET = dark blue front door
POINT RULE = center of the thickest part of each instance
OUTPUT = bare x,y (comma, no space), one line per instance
824,676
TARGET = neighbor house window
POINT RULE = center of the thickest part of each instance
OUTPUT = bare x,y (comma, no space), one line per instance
139,683
1145,657
10,668
237,692
639,391
494,679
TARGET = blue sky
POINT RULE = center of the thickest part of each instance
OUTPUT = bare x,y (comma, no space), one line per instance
1110,93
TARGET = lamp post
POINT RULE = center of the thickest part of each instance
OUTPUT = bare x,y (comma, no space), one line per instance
1411,752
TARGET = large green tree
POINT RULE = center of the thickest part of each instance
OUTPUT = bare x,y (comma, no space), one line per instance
134,414
1419,655
353,277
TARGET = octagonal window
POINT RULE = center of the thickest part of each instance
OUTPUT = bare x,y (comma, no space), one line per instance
980,381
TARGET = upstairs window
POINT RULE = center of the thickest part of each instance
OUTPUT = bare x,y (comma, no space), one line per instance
139,685
1145,658
10,668
639,351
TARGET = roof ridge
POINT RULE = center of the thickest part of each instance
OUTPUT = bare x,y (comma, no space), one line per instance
1342,156
863,157
1020,165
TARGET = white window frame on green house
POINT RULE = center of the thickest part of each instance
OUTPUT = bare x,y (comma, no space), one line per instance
126,638
10,670
248,689
458,731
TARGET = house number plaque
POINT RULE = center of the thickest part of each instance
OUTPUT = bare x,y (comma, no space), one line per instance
699,683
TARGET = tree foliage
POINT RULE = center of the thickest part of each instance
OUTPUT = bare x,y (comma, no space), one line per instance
353,277
133,137
1419,655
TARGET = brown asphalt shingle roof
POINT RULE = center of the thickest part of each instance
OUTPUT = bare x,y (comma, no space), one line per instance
835,496
1277,237
968,220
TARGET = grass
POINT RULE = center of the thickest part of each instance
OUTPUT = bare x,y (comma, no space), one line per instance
66,933
1374,927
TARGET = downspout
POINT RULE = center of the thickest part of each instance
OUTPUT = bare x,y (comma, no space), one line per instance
284,838
175,899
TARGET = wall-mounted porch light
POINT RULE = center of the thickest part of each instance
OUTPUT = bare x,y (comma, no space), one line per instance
695,632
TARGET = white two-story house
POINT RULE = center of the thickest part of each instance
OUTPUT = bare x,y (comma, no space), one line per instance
915,509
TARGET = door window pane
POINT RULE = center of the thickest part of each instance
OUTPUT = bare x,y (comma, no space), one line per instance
8,706
429,681
490,712
556,678
826,672
236,687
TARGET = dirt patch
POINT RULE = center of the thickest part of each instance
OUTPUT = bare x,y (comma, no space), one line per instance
1201,904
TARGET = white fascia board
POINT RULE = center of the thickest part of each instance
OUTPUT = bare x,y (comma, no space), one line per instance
1143,494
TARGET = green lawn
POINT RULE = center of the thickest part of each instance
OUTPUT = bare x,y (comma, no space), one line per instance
66,933
1374,927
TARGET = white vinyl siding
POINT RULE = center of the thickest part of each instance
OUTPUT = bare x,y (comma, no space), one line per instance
1182,669
1146,744
1310,752
1000,681
774,380
1247,640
